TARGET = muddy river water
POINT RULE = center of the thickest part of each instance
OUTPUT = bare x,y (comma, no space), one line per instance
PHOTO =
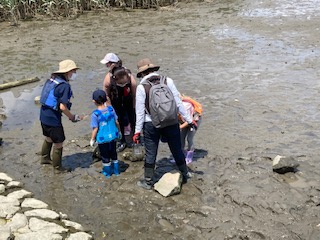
254,65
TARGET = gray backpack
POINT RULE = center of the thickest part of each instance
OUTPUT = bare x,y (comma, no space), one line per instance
160,102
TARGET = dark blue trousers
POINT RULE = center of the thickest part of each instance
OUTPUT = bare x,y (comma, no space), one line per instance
151,140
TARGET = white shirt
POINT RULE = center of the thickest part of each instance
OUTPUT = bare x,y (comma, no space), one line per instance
141,114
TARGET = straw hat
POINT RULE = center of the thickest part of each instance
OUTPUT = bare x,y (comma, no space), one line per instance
144,65
66,66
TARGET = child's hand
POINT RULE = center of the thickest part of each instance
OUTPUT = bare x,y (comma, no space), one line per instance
92,142
119,136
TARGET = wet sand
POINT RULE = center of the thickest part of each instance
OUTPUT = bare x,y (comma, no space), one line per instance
254,66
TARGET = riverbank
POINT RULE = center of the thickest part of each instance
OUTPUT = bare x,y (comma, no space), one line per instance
254,67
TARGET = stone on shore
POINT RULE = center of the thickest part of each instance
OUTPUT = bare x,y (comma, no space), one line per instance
282,164
20,194
169,184
74,225
79,236
18,221
41,235
42,213
37,225
20,216
2,188
14,184
5,177
33,203
8,207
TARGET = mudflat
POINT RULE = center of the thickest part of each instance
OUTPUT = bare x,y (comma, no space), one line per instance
254,67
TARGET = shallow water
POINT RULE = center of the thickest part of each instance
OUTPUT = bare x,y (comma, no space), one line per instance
254,67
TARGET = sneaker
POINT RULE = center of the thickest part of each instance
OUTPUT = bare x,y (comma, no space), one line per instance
121,147
145,184
186,177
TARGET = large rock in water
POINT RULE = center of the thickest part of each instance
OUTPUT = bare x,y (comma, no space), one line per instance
282,164
169,184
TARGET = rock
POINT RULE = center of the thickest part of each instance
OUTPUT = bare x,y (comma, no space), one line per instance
14,184
282,164
2,188
5,177
38,225
8,207
169,184
33,203
130,156
5,232
18,221
37,100
75,225
40,235
20,194
42,213
79,236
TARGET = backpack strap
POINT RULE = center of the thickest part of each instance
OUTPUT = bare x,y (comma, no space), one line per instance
99,114
150,82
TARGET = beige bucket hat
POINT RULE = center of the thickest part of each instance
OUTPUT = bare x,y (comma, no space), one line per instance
144,65
66,66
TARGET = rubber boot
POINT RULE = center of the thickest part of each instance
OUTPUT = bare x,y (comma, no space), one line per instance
57,160
116,169
147,182
189,157
45,152
106,170
185,173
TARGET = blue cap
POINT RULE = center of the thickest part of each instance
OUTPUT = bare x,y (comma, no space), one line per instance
99,95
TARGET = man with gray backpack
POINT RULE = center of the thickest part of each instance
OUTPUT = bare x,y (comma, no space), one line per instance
157,106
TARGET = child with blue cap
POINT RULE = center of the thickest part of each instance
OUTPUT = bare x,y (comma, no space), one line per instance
106,132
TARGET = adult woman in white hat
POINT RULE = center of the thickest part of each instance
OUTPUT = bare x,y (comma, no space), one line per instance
55,100
120,86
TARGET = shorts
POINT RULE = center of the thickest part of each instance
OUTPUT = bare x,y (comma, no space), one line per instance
55,133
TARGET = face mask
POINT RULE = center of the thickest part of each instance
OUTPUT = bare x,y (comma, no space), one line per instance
73,76
121,85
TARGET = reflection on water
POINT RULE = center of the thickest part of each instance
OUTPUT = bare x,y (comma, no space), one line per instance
286,8
21,111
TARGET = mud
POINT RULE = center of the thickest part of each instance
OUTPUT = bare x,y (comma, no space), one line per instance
254,67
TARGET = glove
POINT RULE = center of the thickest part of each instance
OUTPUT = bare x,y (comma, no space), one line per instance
119,136
76,118
136,137
193,125
92,142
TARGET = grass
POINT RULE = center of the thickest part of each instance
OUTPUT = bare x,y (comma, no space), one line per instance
16,10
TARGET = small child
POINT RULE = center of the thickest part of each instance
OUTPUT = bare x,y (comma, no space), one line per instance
194,109
106,132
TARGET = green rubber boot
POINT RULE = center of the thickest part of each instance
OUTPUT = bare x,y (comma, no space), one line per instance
45,152
57,160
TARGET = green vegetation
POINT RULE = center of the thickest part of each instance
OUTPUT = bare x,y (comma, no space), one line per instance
15,10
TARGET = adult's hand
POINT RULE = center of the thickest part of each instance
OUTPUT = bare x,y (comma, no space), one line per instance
136,137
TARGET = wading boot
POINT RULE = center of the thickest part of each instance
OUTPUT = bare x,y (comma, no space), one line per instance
116,169
57,159
106,170
147,182
185,173
45,152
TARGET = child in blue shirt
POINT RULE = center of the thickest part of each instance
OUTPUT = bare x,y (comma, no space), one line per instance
106,132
